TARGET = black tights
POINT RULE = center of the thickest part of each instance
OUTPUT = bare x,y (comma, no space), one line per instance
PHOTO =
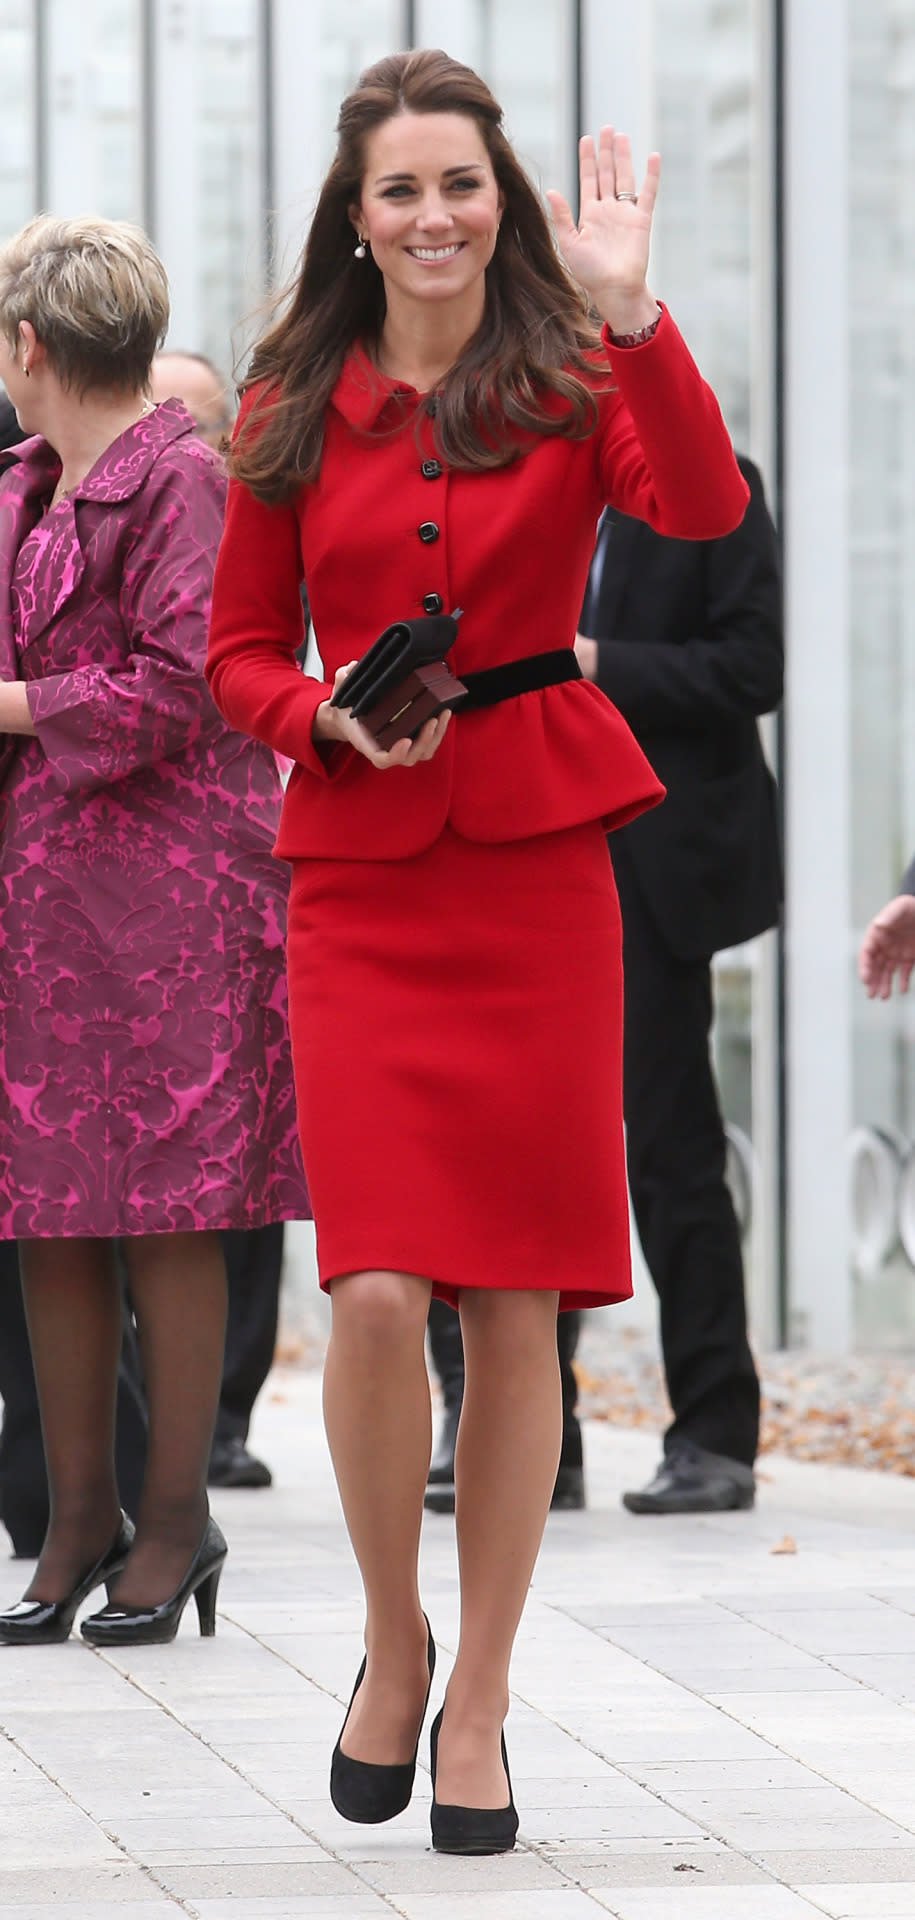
73,1308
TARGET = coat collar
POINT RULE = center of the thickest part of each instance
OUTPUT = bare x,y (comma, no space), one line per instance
29,476
362,392
119,472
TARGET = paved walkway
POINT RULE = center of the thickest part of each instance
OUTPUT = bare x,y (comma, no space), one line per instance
701,1728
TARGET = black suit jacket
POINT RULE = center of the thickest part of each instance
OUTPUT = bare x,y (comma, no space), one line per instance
690,651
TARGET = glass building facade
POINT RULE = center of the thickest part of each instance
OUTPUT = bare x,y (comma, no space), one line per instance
791,268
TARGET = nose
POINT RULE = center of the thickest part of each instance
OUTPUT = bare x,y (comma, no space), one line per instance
434,216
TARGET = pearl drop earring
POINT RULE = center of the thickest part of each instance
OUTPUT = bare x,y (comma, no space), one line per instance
359,250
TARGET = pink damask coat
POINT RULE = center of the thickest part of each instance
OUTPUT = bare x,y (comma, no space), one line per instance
145,1077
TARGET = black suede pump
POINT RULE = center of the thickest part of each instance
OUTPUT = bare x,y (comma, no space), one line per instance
118,1626
363,1791
471,1829
36,1623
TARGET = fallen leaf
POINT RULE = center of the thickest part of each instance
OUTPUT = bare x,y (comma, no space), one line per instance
785,1545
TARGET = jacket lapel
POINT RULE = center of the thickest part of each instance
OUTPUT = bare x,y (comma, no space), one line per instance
60,560
27,473
56,569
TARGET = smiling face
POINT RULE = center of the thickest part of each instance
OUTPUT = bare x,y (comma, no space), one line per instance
430,207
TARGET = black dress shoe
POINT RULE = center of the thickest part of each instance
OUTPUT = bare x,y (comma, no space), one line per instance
364,1791
124,1626
690,1480
231,1465
39,1622
470,1829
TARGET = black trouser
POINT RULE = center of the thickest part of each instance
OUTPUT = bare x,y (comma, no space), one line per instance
447,1350
254,1259
675,1152
253,1262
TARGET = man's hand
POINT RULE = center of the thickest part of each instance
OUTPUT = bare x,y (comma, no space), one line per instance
586,655
888,948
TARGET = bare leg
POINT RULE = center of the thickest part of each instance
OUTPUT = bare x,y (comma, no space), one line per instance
73,1308
178,1288
379,1426
505,1469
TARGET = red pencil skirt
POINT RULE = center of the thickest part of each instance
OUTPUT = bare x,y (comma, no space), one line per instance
457,1044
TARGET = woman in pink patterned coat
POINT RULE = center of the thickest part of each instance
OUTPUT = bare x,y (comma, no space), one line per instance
145,1078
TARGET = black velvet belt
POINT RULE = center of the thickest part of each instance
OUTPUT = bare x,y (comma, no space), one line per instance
492,684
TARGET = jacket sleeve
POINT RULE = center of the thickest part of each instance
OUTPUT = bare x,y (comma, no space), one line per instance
735,665
98,724
256,628
665,452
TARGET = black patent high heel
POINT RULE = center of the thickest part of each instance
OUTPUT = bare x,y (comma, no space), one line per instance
32,1623
362,1790
123,1626
471,1829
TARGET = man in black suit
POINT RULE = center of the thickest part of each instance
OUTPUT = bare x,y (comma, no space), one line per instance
685,638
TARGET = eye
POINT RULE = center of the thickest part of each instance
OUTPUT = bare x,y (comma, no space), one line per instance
397,192
466,184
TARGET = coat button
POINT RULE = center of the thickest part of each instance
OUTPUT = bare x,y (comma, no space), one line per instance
427,531
432,603
431,469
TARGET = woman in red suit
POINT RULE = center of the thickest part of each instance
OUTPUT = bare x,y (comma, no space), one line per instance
436,421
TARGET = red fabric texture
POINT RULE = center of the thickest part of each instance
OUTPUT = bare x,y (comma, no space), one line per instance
456,1033
512,548
454,944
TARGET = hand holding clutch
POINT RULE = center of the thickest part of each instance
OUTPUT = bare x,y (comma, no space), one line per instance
402,680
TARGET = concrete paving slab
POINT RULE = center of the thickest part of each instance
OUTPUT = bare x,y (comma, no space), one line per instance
707,1903
691,1716
861,1903
45,1886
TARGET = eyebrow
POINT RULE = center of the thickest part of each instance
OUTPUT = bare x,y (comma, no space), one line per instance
472,166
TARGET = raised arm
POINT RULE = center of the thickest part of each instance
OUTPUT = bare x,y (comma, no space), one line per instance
666,456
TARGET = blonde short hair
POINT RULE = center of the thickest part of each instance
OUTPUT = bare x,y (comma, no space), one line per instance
95,292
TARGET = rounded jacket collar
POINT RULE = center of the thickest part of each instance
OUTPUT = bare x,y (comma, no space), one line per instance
119,471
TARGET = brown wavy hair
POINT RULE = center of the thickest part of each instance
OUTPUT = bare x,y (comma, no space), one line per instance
535,344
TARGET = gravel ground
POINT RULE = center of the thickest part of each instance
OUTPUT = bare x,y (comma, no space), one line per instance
855,1411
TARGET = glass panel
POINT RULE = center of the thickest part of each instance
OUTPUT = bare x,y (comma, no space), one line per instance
350,37
230,215
17,114
882,586
706,93
93,107
527,56
704,58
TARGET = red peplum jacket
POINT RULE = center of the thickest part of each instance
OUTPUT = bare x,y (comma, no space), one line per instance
386,533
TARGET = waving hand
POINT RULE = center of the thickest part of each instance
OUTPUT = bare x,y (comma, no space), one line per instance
608,250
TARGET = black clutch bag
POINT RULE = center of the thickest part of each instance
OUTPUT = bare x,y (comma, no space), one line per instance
402,680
